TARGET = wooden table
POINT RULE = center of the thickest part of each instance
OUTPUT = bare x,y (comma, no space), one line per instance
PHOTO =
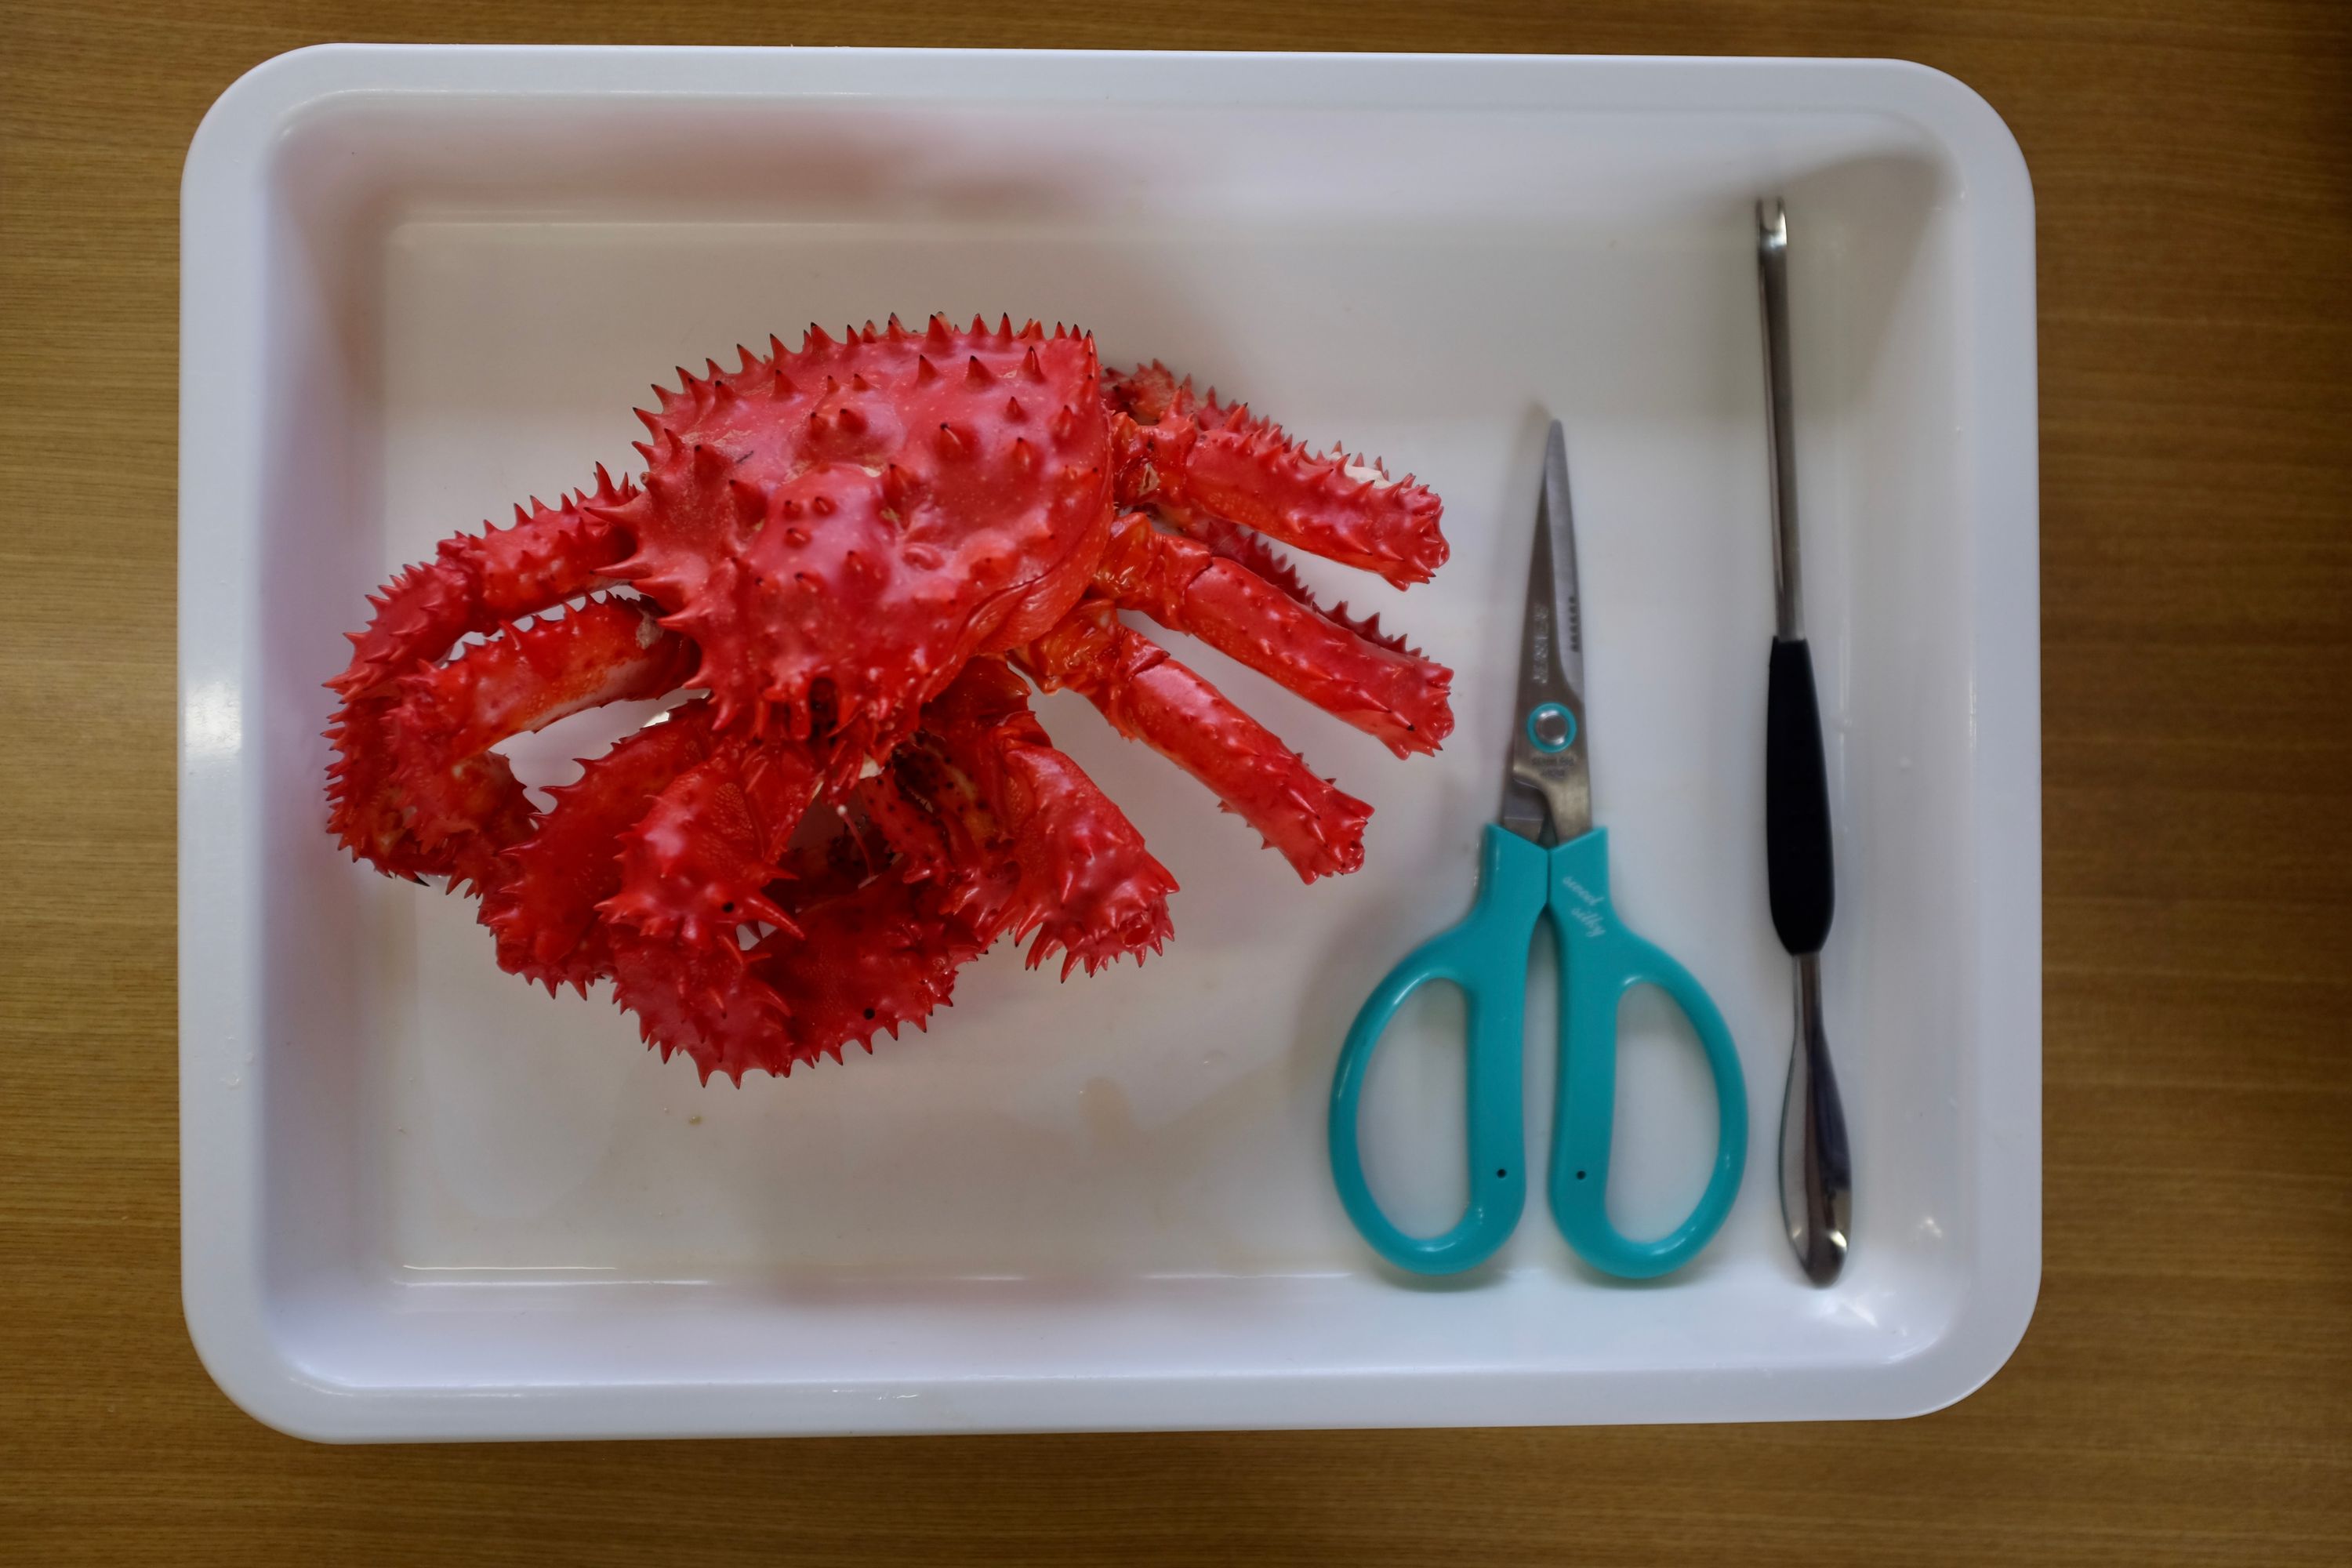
2184,1392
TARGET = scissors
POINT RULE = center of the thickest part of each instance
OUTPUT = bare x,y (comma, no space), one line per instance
1543,857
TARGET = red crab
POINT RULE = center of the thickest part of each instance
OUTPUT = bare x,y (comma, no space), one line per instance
851,550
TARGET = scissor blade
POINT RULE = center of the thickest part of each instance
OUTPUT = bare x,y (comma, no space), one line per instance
1547,783
1553,572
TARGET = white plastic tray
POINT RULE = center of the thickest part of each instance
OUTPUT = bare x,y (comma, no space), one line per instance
422,1200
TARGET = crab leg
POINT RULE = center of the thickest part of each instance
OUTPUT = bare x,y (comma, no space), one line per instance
1150,697
543,911
478,582
367,816
862,959
414,787
1085,883
609,650
1192,459
1387,691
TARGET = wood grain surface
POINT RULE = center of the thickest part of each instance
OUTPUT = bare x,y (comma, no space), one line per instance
2185,1392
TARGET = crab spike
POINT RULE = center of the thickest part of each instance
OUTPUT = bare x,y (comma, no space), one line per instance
976,374
1032,331
1025,457
1030,365
851,422
895,331
749,359
925,371
814,339
1004,329
979,326
857,383
940,333
1014,413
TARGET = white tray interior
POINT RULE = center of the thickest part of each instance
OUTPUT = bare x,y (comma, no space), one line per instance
1105,1202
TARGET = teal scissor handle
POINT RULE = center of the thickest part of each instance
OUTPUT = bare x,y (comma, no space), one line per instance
1600,961
1486,956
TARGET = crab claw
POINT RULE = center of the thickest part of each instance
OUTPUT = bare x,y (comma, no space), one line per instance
1083,884
693,873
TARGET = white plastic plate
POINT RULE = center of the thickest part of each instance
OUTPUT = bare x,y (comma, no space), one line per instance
423,1200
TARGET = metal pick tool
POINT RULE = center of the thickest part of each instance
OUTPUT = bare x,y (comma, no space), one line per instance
1816,1171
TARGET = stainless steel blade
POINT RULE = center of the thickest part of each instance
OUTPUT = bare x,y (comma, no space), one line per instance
1547,741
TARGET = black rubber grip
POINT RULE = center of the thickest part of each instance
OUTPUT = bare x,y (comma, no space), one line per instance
1797,804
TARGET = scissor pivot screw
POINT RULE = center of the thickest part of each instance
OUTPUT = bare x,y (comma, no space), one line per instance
1551,727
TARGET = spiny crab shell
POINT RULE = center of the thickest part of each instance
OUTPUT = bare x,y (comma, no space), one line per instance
857,551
